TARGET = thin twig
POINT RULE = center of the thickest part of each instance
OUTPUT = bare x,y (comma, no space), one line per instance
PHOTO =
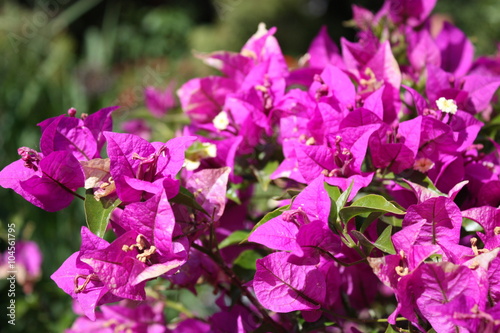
216,257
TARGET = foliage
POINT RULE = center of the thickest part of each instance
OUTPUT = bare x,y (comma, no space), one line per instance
360,164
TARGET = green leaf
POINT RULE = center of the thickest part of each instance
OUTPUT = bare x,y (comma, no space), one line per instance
289,193
427,183
341,201
368,204
471,226
247,259
186,198
390,329
263,176
269,216
333,223
234,238
419,179
293,192
245,265
384,241
436,257
372,217
333,191
365,242
392,220
232,194
97,213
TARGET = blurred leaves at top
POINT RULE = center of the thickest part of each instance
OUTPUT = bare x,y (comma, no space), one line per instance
57,54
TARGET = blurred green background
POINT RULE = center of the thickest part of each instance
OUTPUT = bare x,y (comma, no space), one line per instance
93,53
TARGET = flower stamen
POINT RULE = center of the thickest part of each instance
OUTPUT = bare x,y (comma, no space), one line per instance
88,278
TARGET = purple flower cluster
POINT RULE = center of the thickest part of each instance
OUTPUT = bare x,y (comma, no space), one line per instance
24,261
394,188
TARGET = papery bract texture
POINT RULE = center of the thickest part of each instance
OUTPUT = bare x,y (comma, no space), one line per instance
61,175
284,287
436,221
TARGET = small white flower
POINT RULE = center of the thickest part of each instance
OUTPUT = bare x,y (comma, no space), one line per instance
193,158
221,121
191,165
211,149
447,105
261,30
423,164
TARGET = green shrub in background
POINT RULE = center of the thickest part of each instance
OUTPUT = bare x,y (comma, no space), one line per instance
90,54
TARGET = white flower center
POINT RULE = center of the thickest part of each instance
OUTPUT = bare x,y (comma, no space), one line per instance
221,121
447,105
423,164
210,149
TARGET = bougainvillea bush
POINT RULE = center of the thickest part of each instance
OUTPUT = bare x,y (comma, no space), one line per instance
384,159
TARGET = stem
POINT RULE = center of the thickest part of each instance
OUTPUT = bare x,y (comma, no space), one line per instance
179,307
352,244
246,306
385,320
216,257
340,262
360,321
239,284
189,233
170,304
